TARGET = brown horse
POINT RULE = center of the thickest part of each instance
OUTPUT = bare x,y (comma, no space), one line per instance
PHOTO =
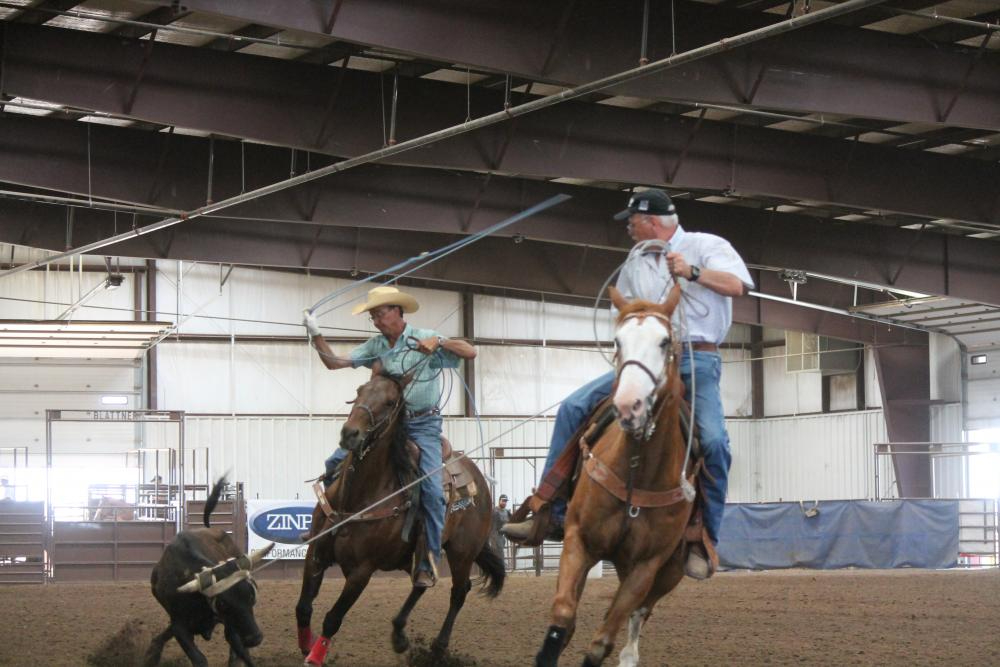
378,465
637,524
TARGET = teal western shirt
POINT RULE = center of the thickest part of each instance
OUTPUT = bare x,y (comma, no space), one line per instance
424,391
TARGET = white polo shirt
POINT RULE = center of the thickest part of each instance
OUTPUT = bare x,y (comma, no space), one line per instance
706,314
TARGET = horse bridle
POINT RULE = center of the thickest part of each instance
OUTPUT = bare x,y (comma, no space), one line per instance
658,383
374,431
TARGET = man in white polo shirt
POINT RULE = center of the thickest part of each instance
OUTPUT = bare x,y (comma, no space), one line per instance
714,273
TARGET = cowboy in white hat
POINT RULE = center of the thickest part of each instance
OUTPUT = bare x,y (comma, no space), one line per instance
399,348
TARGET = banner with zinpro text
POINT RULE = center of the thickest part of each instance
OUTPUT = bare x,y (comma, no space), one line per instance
281,522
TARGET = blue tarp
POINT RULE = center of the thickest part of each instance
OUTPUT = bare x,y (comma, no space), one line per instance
845,533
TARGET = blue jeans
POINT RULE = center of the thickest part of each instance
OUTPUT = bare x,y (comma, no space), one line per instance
708,414
425,432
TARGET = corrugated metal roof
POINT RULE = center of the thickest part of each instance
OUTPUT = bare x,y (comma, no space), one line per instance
976,325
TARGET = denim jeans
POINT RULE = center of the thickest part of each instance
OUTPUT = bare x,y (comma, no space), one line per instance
708,414
425,432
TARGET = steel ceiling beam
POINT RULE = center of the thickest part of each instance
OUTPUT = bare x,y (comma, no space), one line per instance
524,268
904,379
290,104
823,69
437,137
172,171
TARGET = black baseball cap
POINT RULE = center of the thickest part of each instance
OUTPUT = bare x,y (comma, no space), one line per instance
503,498
648,202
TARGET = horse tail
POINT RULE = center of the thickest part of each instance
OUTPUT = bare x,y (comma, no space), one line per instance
213,500
494,573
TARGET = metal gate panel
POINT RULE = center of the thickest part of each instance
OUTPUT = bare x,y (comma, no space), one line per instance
230,515
22,538
107,550
978,534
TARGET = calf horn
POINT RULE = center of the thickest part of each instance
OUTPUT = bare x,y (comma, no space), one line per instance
258,555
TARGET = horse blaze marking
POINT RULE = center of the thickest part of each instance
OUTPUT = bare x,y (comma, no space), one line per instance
288,521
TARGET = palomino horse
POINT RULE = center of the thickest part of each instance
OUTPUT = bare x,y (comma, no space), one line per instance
637,524
378,465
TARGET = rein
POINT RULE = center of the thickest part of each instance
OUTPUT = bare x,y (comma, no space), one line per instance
635,499
376,428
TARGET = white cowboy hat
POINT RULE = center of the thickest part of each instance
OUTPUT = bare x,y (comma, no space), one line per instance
384,295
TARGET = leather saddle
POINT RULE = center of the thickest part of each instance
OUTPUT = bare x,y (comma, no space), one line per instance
458,481
561,480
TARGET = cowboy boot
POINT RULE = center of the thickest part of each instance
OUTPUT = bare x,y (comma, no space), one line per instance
697,565
425,572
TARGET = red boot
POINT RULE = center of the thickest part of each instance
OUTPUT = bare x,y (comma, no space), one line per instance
306,640
318,653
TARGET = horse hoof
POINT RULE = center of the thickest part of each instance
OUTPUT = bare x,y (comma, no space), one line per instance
400,642
438,650
555,639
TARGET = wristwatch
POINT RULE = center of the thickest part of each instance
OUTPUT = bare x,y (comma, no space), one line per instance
441,340
695,273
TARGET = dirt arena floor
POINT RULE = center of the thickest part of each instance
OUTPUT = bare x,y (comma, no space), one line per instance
762,618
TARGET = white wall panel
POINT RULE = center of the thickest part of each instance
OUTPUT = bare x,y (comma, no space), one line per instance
195,287
945,368
28,389
745,484
526,380
983,395
983,403
949,473
27,376
193,377
797,458
843,392
789,393
268,378
820,457
873,390
739,333
25,254
62,288
274,455
514,453
276,299
519,319
736,384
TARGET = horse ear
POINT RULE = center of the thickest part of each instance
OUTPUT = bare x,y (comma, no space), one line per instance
377,367
407,379
673,299
617,299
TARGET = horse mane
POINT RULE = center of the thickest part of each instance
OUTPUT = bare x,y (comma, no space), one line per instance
399,454
634,307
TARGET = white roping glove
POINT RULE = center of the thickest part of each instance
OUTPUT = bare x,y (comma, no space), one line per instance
310,323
